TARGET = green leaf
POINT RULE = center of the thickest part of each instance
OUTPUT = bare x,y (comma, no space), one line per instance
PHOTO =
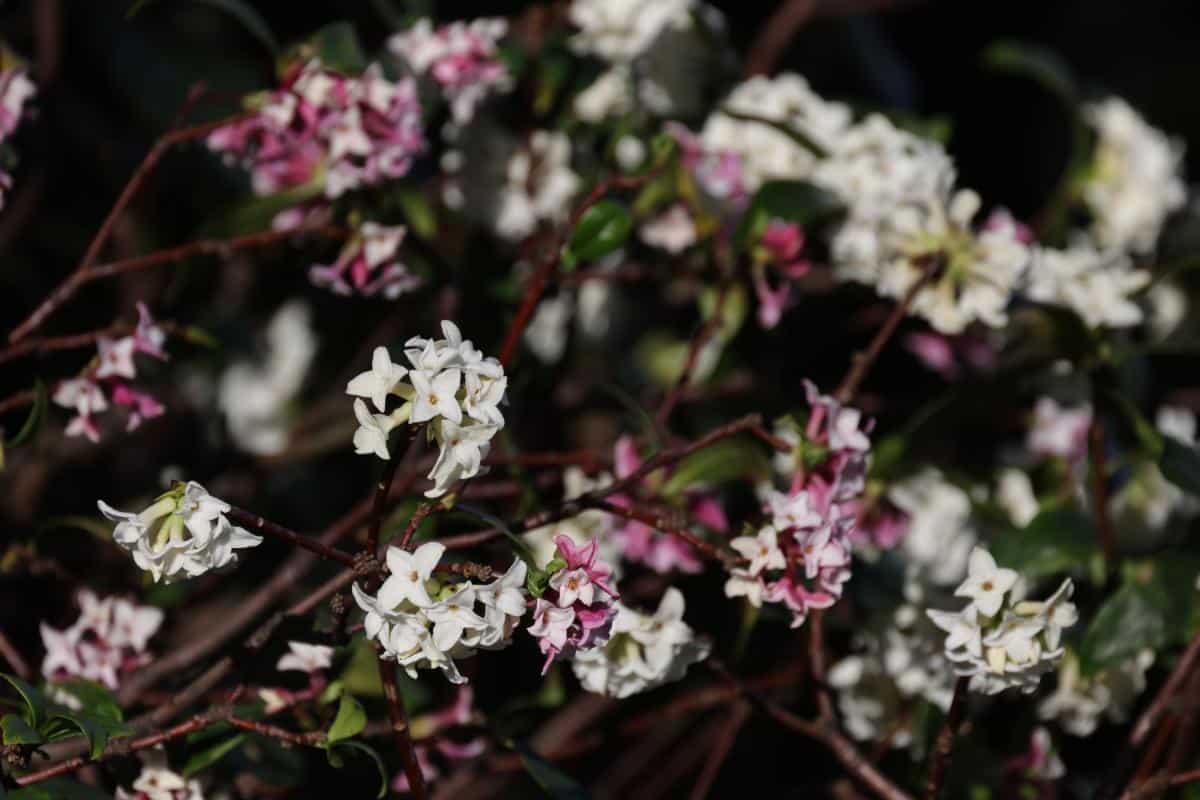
97,700
198,336
349,722
338,48
35,701
335,760
250,19
602,229
97,730
36,414
1035,62
1180,464
793,201
1131,620
197,762
1147,435
723,461
554,782
1057,540
420,215
17,731
733,308
59,789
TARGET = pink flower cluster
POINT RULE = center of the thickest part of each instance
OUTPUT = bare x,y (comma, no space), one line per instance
801,558
576,610
107,378
780,246
641,543
15,91
462,58
719,173
951,356
321,125
107,641
430,731
368,264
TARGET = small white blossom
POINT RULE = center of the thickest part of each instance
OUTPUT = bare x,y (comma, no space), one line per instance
185,533
377,383
986,584
304,657
157,781
762,550
1096,284
409,572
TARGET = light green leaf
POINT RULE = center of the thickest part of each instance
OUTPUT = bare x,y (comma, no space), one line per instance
198,762
1040,64
723,461
34,420
602,229
420,215
338,47
349,722
17,731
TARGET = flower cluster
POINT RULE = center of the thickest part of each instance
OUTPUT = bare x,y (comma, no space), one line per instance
368,264
332,132
157,781
107,379
1079,703
999,642
779,250
1097,284
422,622
255,396
107,641
462,58
184,533
895,668
16,89
940,533
644,651
576,611
801,556
451,387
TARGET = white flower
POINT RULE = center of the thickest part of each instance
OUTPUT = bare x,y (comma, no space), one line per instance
546,334
644,651
621,30
630,153
1059,431
454,616
158,782
409,572
435,395
940,532
743,583
1014,494
1136,180
1177,422
1014,643
610,95
1168,308
372,433
1079,703
116,358
304,657
185,533
963,632
504,604
762,550
986,584
673,230
1098,285
377,383
463,449
573,585
790,511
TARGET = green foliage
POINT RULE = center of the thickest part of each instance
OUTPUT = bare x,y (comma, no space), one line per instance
602,229
724,461
1132,619
1057,540
36,415
34,712
792,201
203,759
334,753
339,49
17,731
349,722
1039,64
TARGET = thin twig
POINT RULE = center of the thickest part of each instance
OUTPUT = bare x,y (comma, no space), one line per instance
944,746
13,656
720,751
862,361
703,334
382,488
816,664
659,523
412,768
250,520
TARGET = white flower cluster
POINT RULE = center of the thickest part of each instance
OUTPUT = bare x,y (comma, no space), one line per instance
940,533
1097,284
158,781
644,651
183,534
450,386
1078,703
255,396
1135,180
511,187
877,688
1145,504
421,622
998,642
622,30
767,152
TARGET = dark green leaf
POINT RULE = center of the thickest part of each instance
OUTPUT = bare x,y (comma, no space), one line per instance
17,731
36,414
338,48
1129,621
335,760
1180,464
723,461
59,789
197,762
250,19
1147,435
97,700
602,229
1036,63
1057,540
554,782
97,730
35,701
350,720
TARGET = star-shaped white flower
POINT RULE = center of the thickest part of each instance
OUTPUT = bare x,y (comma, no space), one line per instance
454,616
116,358
986,583
436,395
377,383
304,657
409,571
762,550
964,636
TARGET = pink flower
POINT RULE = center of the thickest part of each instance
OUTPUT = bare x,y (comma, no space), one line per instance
142,406
463,58
368,264
946,355
148,337
583,557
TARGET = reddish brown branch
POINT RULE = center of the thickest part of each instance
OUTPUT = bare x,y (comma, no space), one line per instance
944,746
379,505
658,523
65,290
816,664
695,347
253,521
412,768
720,751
